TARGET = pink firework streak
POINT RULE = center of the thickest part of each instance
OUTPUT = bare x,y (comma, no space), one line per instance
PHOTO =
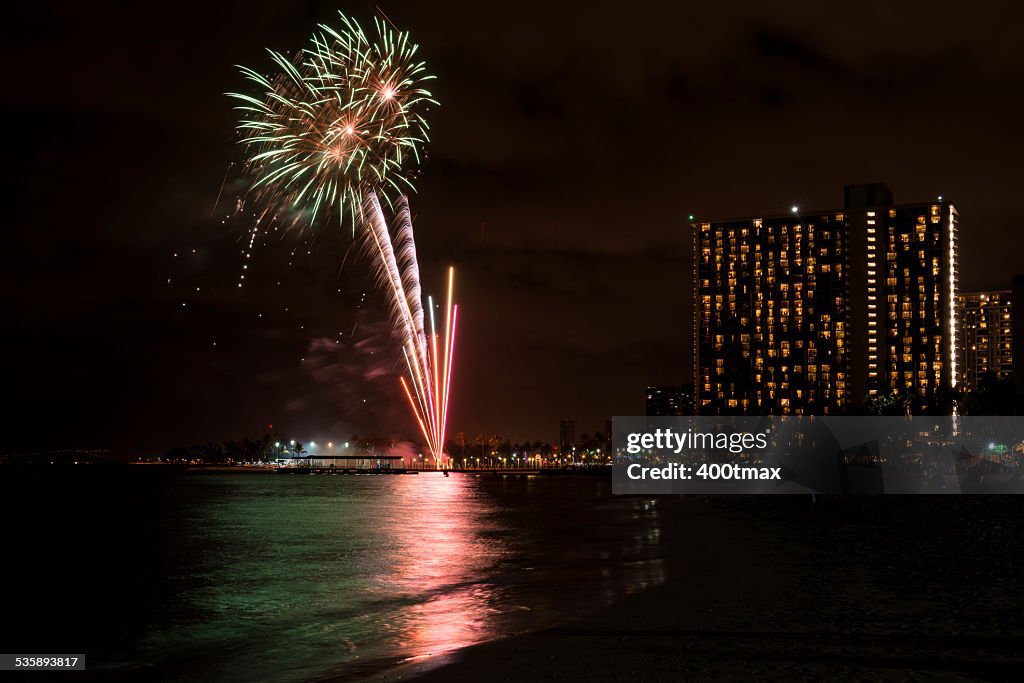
429,369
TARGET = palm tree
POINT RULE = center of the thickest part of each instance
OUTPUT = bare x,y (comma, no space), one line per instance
493,444
460,439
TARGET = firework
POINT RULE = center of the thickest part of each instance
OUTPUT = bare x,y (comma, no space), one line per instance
429,368
342,118
339,129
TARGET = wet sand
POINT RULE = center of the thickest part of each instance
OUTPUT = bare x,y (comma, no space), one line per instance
862,588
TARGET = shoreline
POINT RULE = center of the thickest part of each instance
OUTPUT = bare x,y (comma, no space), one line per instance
772,590
199,469
568,650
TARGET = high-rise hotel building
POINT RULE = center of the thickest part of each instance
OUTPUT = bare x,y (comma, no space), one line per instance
813,312
986,336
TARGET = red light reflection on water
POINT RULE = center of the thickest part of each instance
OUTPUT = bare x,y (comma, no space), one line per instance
442,556
461,575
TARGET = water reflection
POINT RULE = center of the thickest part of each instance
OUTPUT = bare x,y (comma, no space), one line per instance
317,576
442,558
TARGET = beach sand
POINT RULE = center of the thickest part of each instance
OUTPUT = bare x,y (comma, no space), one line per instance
780,588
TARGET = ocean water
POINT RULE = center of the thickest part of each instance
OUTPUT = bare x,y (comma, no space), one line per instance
166,576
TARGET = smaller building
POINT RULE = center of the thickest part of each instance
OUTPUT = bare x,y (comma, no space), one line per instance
1017,299
986,320
669,401
366,462
567,436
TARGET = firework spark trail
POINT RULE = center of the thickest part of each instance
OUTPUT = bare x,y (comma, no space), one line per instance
390,277
397,269
405,255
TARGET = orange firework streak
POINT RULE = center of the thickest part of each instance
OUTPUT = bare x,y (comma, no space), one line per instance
450,314
415,410
441,371
437,384
433,423
428,358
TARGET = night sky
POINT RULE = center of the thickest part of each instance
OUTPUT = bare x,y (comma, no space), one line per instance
572,141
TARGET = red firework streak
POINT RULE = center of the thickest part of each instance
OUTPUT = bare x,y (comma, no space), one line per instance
428,355
434,422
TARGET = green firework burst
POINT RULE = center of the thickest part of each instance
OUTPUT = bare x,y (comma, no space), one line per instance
344,117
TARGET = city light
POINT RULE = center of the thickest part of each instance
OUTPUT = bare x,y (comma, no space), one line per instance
763,273
952,297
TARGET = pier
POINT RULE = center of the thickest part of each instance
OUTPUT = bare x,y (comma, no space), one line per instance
395,464
346,464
